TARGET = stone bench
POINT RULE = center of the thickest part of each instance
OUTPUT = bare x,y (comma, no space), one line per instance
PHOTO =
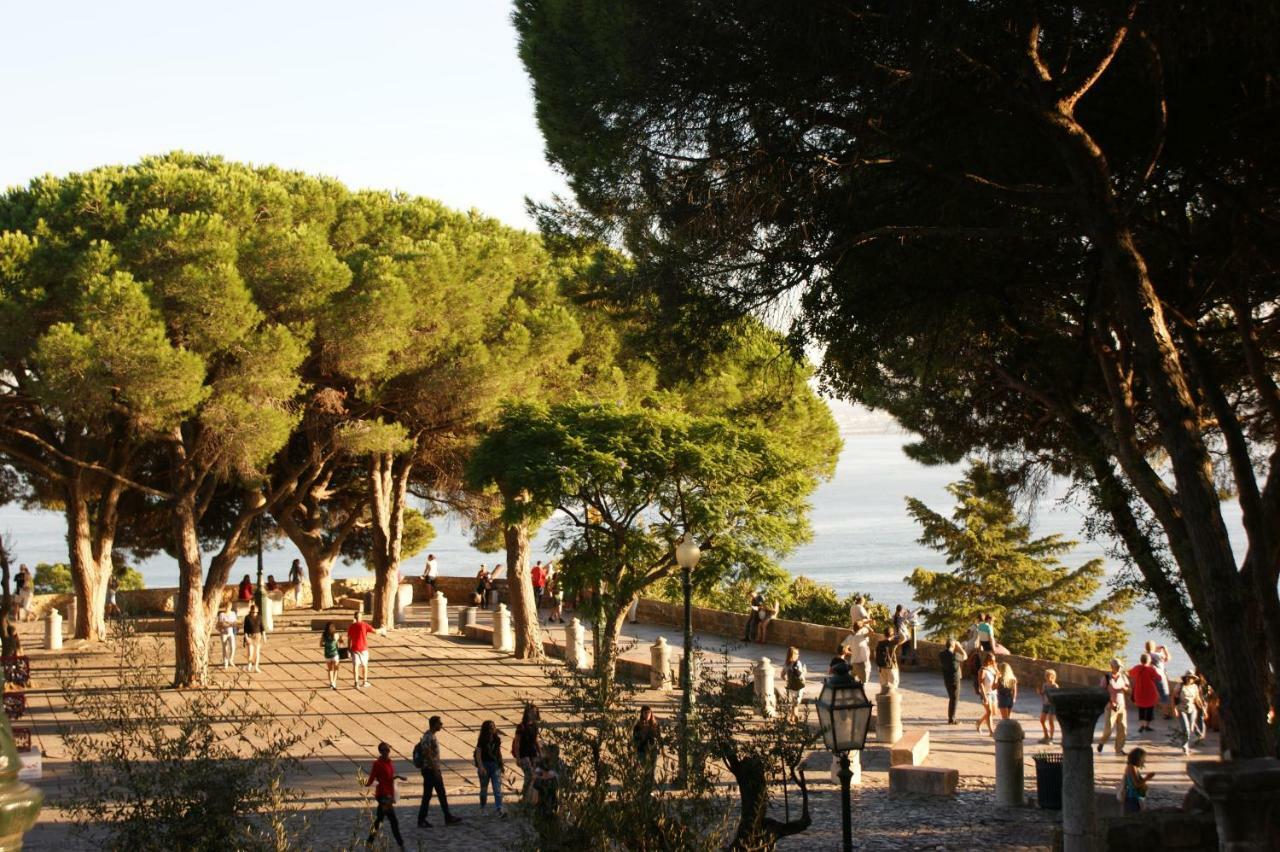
351,603
339,622
910,750
923,780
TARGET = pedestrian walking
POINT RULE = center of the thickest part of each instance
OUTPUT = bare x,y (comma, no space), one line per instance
987,678
887,661
482,585
295,577
1191,707
1133,791
1115,717
253,639
644,737
539,578
432,776
329,647
526,746
1143,678
793,675
1159,656
227,633
488,759
358,645
383,775
1006,691
556,594
951,660
1048,716
25,586
113,589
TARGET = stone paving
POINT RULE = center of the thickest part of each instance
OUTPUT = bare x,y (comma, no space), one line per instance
415,674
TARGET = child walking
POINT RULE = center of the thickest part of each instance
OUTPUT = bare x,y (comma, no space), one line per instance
1006,691
329,646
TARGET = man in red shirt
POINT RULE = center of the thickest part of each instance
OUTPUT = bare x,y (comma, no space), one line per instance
539,577
358,642
1146,695
383,775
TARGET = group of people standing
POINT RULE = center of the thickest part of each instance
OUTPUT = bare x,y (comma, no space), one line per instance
24,591
1147,686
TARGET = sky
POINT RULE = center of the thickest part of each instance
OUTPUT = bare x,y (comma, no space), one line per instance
428,98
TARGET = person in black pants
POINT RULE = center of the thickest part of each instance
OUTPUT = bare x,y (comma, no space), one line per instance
951,660
432,779
383,774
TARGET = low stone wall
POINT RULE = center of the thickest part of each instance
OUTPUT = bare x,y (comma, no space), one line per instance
819,637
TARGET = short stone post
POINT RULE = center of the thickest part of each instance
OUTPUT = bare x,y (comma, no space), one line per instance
494,596
404,597
1245,795
440,615
71,615
766,701
469,616
889,717
1077,709
575,652
1010,771
503,639
53,630
660,665
267,616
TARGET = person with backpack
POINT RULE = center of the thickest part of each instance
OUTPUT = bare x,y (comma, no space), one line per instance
793,674
329,647
488,760
383,774
1115,717
887,661
526,746
426,758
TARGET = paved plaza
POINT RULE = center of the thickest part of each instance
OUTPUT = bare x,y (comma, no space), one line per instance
415,674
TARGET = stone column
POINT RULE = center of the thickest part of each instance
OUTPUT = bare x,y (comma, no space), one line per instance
1009,768
503,640
440,615
889,717
1245,794
575,651
494,596
53,630
71,614
404,597
660,665
766,700
469,616
1077,709
267,616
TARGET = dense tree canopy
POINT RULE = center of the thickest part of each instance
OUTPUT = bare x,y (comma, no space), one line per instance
1042,231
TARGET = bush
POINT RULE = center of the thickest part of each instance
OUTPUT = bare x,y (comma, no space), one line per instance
818,603
158,769
130,579
53,579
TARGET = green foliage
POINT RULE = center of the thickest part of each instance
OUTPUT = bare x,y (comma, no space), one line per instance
153,769
129,579
52,579
1040,607
818,603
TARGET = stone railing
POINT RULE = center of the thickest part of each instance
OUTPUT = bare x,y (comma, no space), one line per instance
820,637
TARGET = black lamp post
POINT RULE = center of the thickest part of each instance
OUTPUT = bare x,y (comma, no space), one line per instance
844,713
687,555
260,596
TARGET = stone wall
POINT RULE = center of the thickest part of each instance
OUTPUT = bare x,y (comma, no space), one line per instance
819,637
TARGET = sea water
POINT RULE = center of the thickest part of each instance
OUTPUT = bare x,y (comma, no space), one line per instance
863,539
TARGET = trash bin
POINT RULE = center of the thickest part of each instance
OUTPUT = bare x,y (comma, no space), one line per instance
1049,781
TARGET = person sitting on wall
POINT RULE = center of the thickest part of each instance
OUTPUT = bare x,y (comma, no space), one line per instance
753,617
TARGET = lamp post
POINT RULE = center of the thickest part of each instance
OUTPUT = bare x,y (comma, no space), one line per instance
687,555
844,713
260,596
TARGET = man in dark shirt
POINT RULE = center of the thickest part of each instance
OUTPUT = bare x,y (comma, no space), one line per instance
887,660
950,659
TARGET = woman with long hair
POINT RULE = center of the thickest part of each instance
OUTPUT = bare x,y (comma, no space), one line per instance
527,746
329,647
488,759
987,677
1006,691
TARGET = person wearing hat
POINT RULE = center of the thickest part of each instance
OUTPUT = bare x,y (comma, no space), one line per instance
432,777
1191,707
1116,715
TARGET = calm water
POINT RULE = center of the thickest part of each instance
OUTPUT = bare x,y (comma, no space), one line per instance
863,539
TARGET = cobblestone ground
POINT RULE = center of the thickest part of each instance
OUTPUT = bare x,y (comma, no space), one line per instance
416,674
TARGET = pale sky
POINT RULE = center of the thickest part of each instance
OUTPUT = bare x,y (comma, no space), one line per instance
427,97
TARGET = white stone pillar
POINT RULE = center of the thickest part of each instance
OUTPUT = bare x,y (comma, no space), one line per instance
766,701
440,615
1010,772
267,616
53,630
889,717
575,651
503,639
71,614
469,616
494,596
404,597
660,669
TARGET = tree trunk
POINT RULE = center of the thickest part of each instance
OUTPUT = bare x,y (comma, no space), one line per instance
389,478
524,607
320,570
191,636
607,652
756,830
235,545
89,576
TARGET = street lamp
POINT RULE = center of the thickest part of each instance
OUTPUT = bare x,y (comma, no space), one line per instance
844,714
687,555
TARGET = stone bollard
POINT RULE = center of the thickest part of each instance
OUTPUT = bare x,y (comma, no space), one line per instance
469,616
575,652
53,630
660,665
1245,795
1009,767
494,596
404,597
503,640
1077,710
71,616
766,701
440,615
889,717
267,615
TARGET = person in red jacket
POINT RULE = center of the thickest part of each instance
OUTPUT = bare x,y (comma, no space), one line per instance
383,775
1146,695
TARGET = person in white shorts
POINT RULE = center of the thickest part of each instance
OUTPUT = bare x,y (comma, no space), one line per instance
358,643
227,632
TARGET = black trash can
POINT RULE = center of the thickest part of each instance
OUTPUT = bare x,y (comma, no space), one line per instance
1049,781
